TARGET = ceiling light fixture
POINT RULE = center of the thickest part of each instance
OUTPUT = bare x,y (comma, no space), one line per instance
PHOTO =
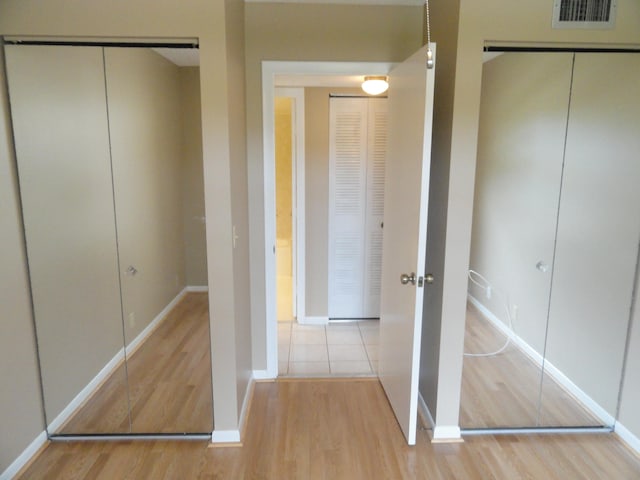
375,85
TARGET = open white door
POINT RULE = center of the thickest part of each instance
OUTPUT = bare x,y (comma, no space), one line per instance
405,235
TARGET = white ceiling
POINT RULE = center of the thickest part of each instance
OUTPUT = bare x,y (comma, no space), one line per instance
319,80
183,57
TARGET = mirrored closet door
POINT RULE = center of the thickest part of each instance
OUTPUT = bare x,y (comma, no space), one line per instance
108,147
554,240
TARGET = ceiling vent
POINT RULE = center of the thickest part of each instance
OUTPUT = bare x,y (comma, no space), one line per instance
594,14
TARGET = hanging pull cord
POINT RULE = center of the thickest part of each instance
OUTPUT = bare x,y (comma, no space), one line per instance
428,28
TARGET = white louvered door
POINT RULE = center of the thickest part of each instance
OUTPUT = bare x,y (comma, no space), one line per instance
356,201
374,215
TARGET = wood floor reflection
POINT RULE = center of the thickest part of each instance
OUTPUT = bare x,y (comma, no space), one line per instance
169,381
504,390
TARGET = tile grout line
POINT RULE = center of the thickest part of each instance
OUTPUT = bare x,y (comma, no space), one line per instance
366,352
326,343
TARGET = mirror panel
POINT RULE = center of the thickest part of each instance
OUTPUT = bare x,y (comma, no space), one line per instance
166,331
62,145
109,151
597,242
519,169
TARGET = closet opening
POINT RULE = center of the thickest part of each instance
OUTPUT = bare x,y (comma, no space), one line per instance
108,144
553,278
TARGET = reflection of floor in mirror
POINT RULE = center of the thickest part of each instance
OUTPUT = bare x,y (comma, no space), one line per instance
503,390
338,349
169,378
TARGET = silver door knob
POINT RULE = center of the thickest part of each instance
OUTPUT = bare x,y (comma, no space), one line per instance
405,279
428,278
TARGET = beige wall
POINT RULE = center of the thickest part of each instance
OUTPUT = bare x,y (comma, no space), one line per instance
143,97
223,147
306,32
20,403
195,240
493,21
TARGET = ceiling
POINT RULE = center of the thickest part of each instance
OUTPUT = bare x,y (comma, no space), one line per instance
183,57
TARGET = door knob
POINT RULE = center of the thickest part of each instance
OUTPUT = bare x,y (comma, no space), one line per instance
405,279
428,278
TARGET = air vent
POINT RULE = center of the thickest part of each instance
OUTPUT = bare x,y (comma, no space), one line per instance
594,14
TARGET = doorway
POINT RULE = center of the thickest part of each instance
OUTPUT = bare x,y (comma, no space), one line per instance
307,315
289,194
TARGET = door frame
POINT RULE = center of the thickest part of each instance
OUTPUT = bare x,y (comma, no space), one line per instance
270,71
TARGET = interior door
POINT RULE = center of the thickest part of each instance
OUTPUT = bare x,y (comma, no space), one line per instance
405,234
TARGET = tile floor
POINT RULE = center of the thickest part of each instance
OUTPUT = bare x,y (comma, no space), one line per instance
344,349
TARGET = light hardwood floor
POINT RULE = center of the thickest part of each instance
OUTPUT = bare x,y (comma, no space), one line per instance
504,390
169,381
339,429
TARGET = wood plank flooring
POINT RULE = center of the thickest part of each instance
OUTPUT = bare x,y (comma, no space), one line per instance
503,390
339,429
169,381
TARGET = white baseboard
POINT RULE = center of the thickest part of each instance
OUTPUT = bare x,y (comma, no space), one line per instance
423,410
262,375
197,288
155,323
24,457
86,392
234,436
314,321
441,434
225,436
246,405
627,437
111,366
589,403
446,434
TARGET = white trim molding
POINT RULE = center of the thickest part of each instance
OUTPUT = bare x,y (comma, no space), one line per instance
627,436
225,436
24,458
423,410
446,434
314,320
197,288
262,375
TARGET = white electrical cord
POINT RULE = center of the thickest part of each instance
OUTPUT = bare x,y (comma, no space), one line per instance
484,284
